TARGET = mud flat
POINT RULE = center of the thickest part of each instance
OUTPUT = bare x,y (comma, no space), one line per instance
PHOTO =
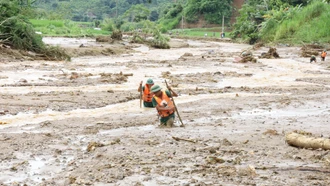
80,123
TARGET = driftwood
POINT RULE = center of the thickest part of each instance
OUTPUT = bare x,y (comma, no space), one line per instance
182,139
127,74
270,54
303,141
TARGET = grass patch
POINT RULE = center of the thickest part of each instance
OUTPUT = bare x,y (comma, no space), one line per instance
200,32
66,28
309,25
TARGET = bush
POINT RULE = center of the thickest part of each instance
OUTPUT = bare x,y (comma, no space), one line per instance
108,25
19,33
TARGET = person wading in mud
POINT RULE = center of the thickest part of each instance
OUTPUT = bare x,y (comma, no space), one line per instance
313,58
323,54
164,105
147,94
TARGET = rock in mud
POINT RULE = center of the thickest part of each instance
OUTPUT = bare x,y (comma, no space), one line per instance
92,145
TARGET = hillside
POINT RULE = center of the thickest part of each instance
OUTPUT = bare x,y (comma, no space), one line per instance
82,10
237,5
197,13
283,24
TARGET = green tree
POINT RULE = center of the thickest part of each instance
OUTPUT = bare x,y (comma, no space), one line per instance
249,21
137,13
213,10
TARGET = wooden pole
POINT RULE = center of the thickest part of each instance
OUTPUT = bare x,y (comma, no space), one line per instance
140,95
176,109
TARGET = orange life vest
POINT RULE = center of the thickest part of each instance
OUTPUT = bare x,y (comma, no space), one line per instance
323,54
147,95
160,101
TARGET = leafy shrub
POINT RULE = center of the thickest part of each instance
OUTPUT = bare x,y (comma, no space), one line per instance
19,33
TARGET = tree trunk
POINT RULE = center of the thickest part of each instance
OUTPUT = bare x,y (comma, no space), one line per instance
299,140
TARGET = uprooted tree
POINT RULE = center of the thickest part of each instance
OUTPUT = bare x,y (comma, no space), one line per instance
16,31
157,40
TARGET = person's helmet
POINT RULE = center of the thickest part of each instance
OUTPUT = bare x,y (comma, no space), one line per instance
312,56
155,88
150,82
324,50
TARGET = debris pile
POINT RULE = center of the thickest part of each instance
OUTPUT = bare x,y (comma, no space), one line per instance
104,39
309,50
270,54
246,56
117,35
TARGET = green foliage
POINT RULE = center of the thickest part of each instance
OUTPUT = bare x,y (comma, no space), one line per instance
66,28
158,40
18,32
45,23
310,24
22,35
278,21
273,20
137,13
167,13
211,9
168,24
247,24
200,32
173,11
108,25
130,26
83,10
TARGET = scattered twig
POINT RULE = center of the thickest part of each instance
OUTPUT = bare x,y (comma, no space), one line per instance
182,139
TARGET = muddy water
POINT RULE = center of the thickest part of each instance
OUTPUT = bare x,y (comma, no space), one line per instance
277,72
48,146
131,107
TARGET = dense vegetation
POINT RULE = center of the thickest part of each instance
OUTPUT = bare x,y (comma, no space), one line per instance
127,14
283,22
85,18
259,20
66,28
17,32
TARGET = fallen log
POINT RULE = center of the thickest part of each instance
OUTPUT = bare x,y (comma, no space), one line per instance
127,74
302,141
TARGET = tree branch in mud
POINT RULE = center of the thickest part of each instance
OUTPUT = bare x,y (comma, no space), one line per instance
182,139
303,141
